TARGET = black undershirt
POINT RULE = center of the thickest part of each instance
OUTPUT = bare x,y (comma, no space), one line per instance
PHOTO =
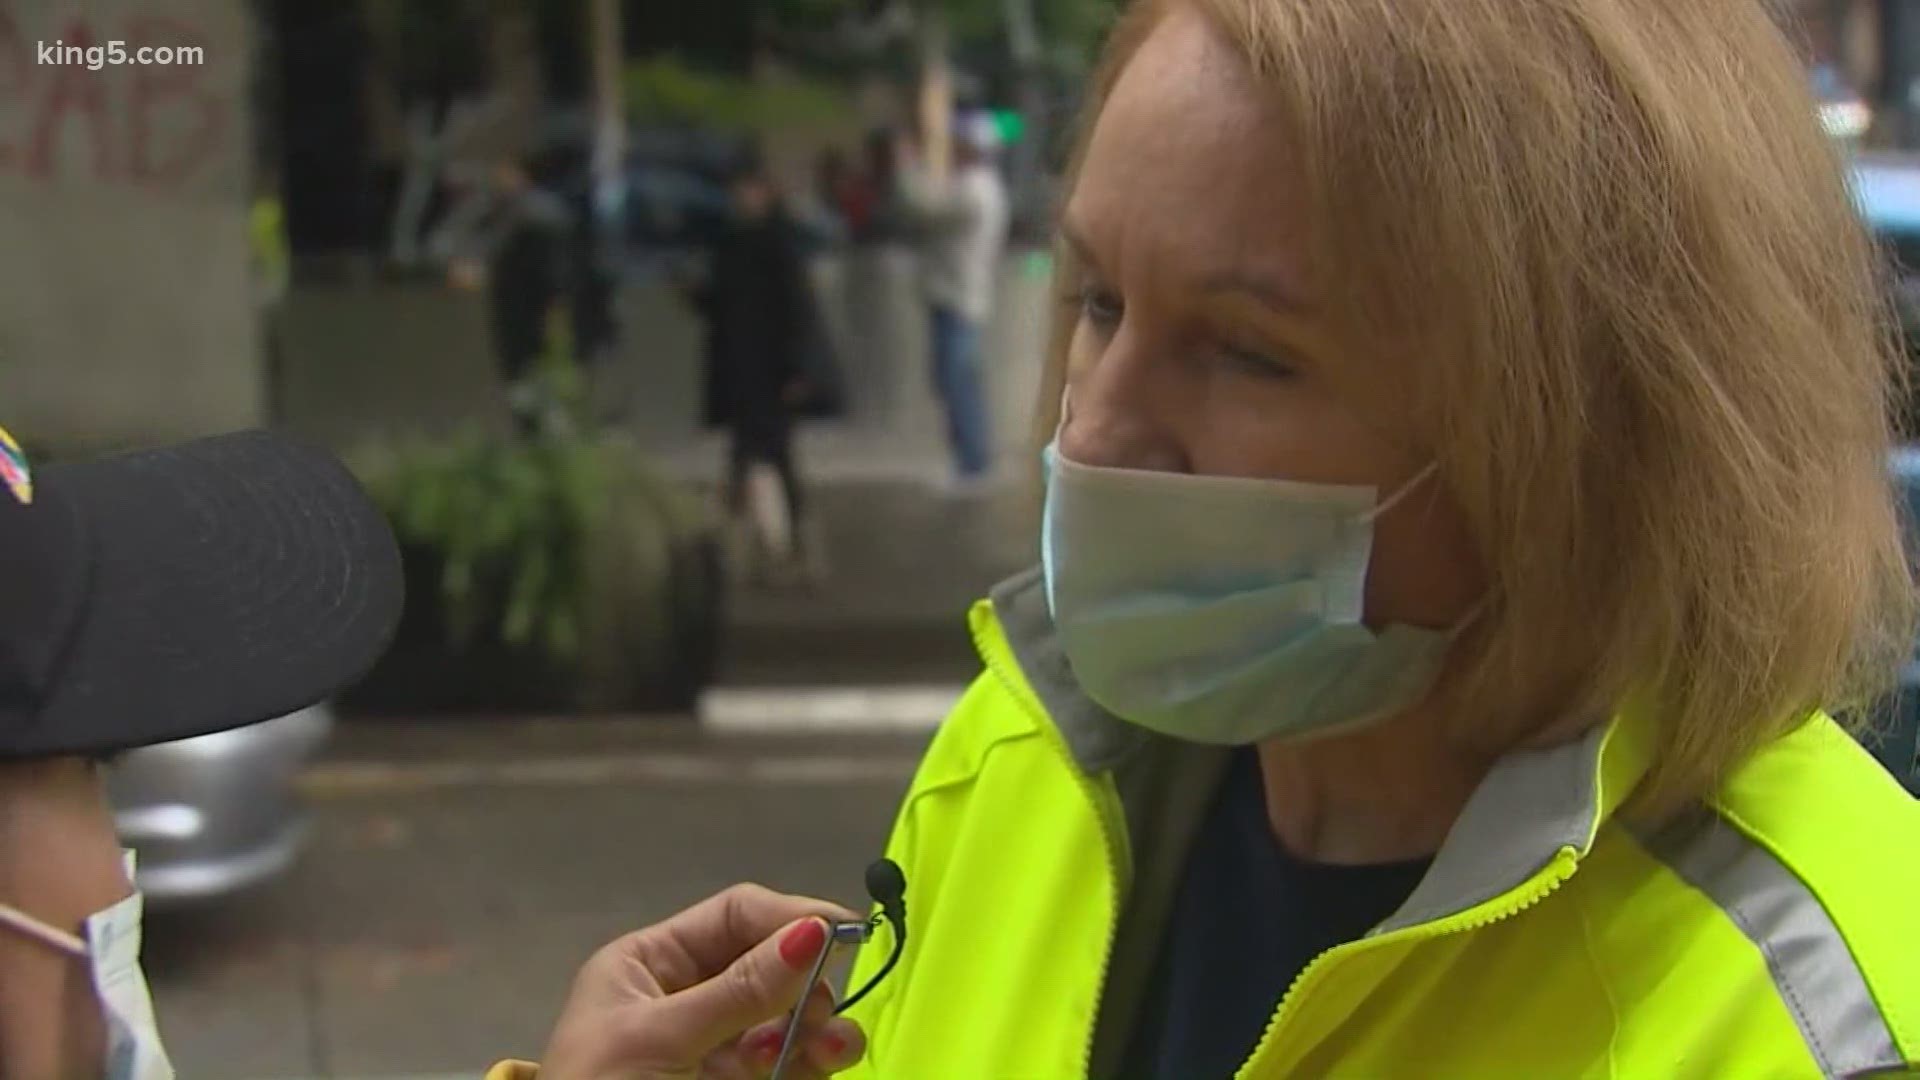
1248,918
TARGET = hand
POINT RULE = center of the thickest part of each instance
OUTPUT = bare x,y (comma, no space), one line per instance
705,995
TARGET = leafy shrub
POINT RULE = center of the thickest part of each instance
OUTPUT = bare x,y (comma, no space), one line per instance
563,545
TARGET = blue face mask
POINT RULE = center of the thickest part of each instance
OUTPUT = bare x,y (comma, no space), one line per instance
1225,610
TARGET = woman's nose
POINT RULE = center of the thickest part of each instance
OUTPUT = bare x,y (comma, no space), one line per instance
1097,430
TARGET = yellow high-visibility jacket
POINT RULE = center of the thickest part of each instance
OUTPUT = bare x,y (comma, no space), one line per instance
1775,932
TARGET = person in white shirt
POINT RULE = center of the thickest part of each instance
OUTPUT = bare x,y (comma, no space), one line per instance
964,218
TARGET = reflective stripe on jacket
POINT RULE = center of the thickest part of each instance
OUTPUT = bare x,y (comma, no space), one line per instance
1775,932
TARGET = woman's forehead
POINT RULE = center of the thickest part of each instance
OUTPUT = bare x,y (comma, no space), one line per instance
1187,166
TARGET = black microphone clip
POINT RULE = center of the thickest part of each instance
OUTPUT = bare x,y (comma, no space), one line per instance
887,885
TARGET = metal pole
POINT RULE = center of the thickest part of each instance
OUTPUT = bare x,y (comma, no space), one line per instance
1026,159
609,104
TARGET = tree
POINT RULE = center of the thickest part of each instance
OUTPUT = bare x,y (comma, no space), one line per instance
1034,46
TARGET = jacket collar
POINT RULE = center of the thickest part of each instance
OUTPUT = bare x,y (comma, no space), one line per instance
1530,807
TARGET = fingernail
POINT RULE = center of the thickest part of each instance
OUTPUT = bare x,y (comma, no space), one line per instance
834,1045
800,945
766,1045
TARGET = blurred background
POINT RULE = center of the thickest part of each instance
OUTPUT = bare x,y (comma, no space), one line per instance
491,251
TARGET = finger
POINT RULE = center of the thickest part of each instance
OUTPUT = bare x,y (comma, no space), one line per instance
763,1040
836,1045
754,1053
759,986
698,943
726,1063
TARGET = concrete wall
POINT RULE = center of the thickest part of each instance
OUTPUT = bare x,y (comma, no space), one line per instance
362,361
125,307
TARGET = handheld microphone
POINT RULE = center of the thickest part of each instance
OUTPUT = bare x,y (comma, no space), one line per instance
887,884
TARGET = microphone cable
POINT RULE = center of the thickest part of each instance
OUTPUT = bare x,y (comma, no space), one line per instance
887,884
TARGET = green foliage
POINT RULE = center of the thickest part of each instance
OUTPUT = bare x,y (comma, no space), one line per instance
1075,28
1071,29
670,91
560,542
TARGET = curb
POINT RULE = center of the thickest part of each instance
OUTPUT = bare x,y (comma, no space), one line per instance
765,710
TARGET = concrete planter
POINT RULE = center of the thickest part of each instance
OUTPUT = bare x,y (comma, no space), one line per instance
428,672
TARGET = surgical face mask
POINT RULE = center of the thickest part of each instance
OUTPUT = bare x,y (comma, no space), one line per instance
111,948
1225,610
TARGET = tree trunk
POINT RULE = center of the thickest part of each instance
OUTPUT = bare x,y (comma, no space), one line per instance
1026,159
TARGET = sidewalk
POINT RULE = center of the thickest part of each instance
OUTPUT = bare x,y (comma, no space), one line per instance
905,563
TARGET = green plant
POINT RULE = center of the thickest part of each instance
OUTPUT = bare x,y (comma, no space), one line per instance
670,91
560,542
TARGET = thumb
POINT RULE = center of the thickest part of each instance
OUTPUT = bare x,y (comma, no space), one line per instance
763,983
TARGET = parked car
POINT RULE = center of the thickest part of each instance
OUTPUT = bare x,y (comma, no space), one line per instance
217,814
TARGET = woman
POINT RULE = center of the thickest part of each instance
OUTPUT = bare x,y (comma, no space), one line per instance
759,313
1469,494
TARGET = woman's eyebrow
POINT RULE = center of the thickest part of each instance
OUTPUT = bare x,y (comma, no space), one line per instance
1273,290
1277,291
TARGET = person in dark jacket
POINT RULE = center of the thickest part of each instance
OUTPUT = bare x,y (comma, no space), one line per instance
757,306
527,275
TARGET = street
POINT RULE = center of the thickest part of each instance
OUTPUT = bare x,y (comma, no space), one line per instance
458,873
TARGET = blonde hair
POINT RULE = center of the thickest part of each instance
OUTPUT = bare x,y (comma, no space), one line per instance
1654,362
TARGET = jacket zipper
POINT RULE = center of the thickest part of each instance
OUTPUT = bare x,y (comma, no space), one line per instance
1098,796
1535,889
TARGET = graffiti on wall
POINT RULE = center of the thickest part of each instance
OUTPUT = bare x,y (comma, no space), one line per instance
148,126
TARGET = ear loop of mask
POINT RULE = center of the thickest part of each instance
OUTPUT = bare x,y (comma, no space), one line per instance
1406,490
1479,608
15,919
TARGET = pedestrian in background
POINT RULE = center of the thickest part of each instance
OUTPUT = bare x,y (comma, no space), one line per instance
526,238
760,319
590,273
873,202
962,221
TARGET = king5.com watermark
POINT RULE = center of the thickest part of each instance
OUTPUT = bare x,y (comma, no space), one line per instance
118,54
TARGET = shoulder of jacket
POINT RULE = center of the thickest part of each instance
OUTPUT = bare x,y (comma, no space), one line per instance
987,717
1819,802
1847,832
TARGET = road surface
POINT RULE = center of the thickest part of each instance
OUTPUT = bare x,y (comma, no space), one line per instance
459,873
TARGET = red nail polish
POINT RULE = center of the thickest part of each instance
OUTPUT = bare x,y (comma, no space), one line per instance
766,1045
800,945
834,1045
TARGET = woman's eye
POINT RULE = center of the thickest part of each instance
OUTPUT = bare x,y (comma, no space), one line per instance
1259,364
1100,308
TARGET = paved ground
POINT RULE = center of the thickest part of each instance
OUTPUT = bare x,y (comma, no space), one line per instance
459,873
905,564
